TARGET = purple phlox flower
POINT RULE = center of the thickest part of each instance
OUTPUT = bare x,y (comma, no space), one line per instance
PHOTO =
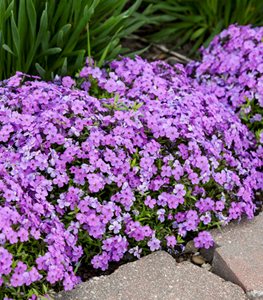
154,244
171,241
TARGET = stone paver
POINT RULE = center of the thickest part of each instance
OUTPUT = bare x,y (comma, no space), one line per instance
238,255
157,277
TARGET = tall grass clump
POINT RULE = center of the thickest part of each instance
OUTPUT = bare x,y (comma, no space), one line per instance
196,22
53,37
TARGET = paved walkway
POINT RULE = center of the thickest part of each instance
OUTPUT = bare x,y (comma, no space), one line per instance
238,255
237,261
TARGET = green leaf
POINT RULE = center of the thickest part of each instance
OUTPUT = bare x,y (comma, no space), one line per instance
88,11
64,67
41,71
51,51
22,19
105,52
41,36
9,10
198,33
88,41
15,36
2,14
33,32
32,17
7,48
138,52
80,59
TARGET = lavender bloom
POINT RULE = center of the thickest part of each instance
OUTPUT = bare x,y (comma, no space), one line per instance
203,240
81,171
232,69
154,244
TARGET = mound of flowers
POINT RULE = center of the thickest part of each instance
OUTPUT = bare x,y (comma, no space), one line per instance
232,69
127,160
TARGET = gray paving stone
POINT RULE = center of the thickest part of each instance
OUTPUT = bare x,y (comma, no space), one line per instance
157,277
238,255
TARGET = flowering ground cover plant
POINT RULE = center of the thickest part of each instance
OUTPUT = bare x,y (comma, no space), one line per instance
127,160
232,69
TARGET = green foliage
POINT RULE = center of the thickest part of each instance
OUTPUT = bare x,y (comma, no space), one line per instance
198,21
53,37
248,112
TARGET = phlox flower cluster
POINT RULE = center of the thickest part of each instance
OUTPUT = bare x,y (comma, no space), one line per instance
232,68
126,161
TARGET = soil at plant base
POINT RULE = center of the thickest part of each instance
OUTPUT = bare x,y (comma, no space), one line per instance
259,203
154,51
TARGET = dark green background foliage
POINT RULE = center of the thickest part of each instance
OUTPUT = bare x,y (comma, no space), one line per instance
198,21
49,37
54,36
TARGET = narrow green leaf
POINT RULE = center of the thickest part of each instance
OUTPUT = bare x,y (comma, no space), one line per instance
32,17
15,36
80,59
88,41
9,10
43,27
60,38
2,14
64,67
106,50
41,71
60,11
138,52
198,33
50,51
7,48
88,11
22,19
